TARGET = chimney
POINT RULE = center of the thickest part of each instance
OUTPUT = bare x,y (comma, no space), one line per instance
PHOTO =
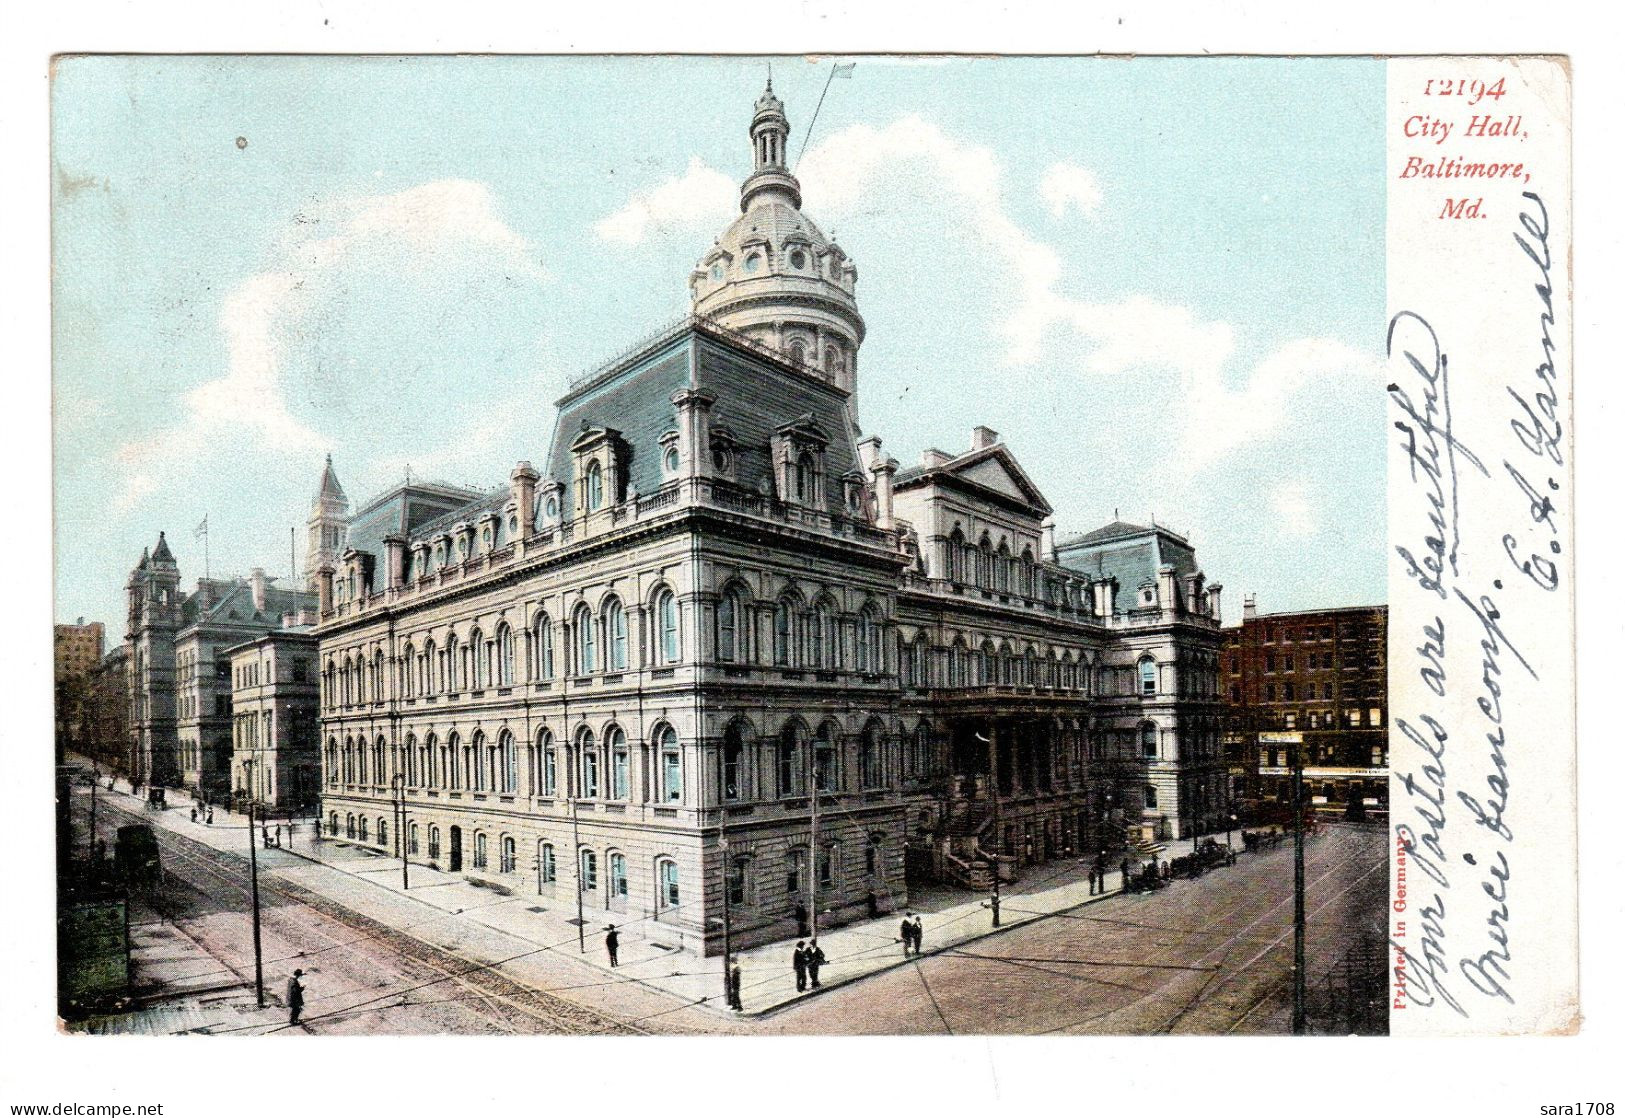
394,561
522,485
983,437
1046,544
1213,602
1249,608
1105,597
324,589
931,459
1193,592
884,470
256,582
1166,599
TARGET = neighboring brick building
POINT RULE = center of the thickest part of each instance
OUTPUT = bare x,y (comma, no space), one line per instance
78,652
1319,674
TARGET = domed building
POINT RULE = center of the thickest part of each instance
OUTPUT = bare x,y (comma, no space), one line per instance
773,276
716,664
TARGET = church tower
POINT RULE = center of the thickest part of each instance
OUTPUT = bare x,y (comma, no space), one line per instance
774,276
154,597
326,527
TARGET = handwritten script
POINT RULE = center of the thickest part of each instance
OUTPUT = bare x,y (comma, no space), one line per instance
1454,940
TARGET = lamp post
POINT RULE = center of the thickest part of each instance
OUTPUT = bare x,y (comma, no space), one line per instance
398,784
254,886
581,917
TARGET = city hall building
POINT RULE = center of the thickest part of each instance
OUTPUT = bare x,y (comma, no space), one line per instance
718,656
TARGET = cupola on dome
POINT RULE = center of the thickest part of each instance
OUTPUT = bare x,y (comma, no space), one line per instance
773,275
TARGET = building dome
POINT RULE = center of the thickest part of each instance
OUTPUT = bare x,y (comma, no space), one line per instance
773,275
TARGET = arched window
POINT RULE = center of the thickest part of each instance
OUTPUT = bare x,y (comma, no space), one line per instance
826,759
479,672
449,679
412,839
589,871
504,650
868,642
620,764
383,831
361,829
333,824
781,633
547,866
798,352
426,684
671,765
434,842
595,487
408,674
542,639
1001,568
869,766
617,875
789,761
550,764
821,637
435,766
479,850
1148,740
733,762
456,772
586,657
806,478
587,748
479,775
508,761
509,854
666,614
1148,676
670,895
728,627
615,634
984,563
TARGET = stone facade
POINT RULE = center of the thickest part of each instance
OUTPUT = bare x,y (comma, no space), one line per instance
275,756
717,660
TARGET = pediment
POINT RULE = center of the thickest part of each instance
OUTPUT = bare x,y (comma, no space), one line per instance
998,471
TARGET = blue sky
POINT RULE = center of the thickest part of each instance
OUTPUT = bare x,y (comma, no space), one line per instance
1161,281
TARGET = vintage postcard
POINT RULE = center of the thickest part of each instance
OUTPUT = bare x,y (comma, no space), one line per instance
874,544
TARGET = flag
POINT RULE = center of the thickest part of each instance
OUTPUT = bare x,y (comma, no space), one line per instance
844,70
202,529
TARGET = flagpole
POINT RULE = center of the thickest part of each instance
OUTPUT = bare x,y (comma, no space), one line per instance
834,67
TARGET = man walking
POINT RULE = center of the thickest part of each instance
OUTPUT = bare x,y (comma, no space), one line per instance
815,959
733,986
612,944
918,932
799,961
906,934
296,997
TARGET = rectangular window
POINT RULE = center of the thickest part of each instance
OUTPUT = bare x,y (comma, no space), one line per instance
793,872
826,864
1374,716
736,882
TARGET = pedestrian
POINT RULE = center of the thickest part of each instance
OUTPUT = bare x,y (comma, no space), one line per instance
919,935
612,944
1125,873
296,997
801,919
194,815
799,961
265,836
209,819
906,934
734,1002
815,959
1167,871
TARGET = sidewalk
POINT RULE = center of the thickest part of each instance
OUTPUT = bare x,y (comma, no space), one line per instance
484,926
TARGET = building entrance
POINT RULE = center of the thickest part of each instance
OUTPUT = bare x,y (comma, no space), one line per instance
455,864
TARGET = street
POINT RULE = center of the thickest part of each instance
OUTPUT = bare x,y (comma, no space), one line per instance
1211,955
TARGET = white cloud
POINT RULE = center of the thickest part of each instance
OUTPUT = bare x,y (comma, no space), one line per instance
420,227
1066,186
700,197
1293,511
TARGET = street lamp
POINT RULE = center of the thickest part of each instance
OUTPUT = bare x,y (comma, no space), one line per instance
398,784
254,888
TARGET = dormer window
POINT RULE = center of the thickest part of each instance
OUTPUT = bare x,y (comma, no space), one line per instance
753,263
798,352
806,478
551,508
595,487
716,273
798,259
670,460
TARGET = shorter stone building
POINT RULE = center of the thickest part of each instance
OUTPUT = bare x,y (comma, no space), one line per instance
1318,678
275,759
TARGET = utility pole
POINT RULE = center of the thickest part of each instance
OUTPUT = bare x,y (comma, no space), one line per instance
1300,1024
399,782
95,779
581,919
817,862
727,912
998,825
254,888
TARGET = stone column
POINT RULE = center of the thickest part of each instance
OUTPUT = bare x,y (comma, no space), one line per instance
324,589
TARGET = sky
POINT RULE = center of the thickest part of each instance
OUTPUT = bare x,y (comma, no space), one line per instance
1161,280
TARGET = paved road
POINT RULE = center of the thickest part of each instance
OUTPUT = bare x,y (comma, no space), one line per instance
1207,956
362,978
